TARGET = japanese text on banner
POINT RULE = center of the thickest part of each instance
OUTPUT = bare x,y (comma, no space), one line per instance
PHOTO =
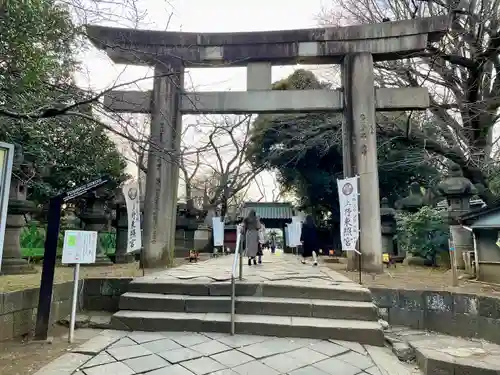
348,201
134,240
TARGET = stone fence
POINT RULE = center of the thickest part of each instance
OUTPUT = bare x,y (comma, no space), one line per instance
18,309
456,314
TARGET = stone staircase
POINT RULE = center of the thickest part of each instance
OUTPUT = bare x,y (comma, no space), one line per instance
340,311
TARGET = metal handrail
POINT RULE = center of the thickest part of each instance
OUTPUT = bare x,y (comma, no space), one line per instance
238,258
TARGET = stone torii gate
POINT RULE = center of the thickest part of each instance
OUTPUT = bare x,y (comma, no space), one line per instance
354,47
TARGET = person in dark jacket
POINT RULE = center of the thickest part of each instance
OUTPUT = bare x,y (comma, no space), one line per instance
309,239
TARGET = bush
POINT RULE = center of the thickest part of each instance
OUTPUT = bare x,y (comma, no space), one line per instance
424,234
32,240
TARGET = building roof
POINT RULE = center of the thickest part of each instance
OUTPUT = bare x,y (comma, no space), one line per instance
486,217
268,210
488,221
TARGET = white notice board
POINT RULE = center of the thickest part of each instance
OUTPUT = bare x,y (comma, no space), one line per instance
79,247
218,231
6,161
294,232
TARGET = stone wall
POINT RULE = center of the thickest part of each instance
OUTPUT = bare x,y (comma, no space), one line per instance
456,314
18,309
103,294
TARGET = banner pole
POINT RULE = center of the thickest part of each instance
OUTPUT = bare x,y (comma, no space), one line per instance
359,235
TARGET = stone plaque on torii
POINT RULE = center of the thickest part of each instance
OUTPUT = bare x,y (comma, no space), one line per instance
354,47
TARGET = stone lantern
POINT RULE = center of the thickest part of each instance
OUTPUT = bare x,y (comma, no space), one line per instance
18,207
414,201
121,225
95,218
71,219
457,190
388,227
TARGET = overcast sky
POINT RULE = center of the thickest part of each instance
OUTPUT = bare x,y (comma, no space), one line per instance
99,73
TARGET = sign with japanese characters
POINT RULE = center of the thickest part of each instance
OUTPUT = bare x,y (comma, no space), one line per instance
294,232
218,231
79,247
134,238
349,223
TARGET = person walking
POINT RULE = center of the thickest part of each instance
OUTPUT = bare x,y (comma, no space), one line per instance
250,229
309,239
273,242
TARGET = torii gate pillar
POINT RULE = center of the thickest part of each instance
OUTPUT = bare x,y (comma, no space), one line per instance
160,205
360,156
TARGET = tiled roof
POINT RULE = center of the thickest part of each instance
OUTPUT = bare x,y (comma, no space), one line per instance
265,210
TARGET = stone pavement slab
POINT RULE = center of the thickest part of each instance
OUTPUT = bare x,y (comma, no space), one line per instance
202,366
146,363
185,353
116,368
282,268
447,355
100,359
162,345
254,367
232,358
127,352
64,365
180,355
97,344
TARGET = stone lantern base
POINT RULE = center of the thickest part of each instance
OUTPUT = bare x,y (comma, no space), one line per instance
100,260
16,266
124,258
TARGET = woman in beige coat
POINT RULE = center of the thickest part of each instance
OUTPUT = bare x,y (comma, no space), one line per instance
250,229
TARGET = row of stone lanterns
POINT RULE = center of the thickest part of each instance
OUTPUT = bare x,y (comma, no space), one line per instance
456,190
94,215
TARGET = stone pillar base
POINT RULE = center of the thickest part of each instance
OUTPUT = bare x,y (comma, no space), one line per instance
352,261
11,266
124,258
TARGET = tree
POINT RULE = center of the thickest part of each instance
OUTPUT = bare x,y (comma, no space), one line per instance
461,72
424,233
222,161
36,65
306,151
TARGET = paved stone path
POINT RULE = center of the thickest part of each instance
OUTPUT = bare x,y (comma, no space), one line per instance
275,268
184,353
448,355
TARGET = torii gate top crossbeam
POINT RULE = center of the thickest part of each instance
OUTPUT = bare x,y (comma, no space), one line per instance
385,41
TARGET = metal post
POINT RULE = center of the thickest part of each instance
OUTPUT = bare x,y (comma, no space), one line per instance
233,303
49,263
241,265
453,261
76,278
359,266
359,238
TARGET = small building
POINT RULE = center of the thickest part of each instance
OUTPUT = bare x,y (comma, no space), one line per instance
485,225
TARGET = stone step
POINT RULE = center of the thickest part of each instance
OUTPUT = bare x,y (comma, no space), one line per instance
344,291
364,332
317,308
